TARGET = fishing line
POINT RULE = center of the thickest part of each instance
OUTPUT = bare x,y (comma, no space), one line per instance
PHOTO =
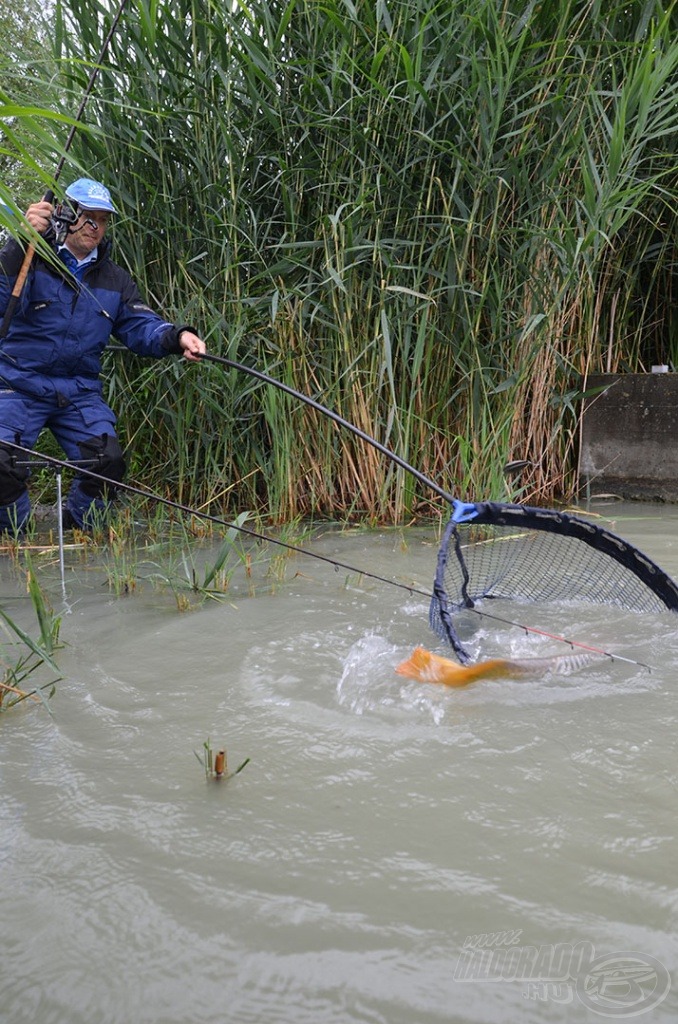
335,563
255,535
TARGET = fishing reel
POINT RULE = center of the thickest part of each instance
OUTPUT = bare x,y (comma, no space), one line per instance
64,217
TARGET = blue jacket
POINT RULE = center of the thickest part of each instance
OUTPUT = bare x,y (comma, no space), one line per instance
61,326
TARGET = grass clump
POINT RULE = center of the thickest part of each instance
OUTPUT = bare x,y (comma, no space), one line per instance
24,655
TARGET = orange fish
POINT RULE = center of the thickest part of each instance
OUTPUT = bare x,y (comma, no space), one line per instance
426,667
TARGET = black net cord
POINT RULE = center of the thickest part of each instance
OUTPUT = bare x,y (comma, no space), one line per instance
440,618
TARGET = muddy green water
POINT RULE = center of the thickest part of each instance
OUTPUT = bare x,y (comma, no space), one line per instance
393,853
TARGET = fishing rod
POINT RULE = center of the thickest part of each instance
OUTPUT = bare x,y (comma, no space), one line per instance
49,194
82,469
295,549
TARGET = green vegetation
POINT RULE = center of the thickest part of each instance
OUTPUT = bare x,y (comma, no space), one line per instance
28,84
435,218
187,580
22,655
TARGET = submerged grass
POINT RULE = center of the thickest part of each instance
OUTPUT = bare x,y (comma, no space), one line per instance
191,582
196,559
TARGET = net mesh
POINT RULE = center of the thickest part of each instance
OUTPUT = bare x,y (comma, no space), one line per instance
539,555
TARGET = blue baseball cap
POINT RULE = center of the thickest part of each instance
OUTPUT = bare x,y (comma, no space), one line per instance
91,195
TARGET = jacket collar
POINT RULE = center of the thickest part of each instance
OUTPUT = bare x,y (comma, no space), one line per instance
103,251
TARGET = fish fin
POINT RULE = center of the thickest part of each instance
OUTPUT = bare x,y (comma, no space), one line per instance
416,665
426,667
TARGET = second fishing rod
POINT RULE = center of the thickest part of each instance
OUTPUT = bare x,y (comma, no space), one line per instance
255,535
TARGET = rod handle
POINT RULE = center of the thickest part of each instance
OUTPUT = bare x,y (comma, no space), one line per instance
21,279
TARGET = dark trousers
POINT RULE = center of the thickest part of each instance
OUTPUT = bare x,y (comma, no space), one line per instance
83,427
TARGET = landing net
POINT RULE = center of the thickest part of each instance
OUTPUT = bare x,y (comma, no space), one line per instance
494,550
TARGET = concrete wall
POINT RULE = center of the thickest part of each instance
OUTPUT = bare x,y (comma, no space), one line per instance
630,436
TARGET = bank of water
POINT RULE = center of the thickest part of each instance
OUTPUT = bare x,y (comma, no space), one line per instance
388,844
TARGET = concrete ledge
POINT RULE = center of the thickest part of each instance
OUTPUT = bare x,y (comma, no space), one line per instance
630,436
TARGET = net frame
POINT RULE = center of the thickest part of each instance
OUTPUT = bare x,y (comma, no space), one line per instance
525,565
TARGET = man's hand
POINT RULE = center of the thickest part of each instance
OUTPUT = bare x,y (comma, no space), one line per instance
39,216
192,345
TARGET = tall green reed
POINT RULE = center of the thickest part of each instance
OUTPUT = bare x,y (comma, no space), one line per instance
436,219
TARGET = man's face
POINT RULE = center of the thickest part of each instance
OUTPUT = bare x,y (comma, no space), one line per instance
87,232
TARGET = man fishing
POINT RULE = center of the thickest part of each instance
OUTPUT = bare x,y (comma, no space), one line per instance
50,358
